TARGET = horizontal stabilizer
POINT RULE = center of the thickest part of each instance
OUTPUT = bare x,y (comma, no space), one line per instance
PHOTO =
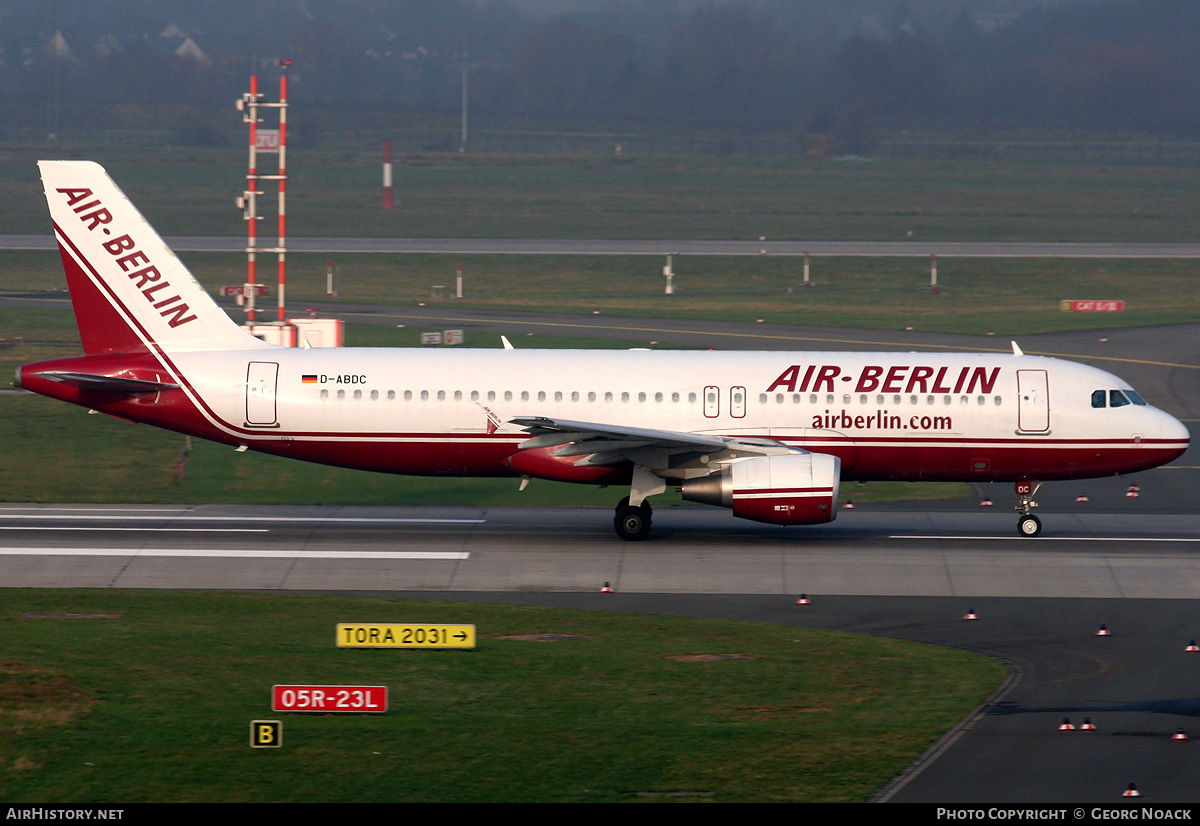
112,384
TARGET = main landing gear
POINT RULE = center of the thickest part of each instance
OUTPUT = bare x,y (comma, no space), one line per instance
1028,524
632,522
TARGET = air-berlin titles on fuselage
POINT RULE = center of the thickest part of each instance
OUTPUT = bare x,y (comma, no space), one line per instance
899,378
148,279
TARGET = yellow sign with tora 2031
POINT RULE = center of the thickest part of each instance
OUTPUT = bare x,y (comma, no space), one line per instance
404,635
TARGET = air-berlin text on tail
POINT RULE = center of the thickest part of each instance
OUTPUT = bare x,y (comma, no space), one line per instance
133,262
896,378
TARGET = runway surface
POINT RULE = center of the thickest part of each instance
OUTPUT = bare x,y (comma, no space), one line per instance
935,553
585,246
899,571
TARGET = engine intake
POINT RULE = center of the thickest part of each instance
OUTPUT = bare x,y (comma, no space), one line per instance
791,489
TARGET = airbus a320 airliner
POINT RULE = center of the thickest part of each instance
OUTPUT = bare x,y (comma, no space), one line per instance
768,434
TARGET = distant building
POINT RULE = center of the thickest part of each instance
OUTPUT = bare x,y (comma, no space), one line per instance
188,50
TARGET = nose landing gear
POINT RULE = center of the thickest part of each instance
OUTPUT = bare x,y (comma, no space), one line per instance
1028,524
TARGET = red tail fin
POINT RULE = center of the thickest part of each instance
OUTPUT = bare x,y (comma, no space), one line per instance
129,291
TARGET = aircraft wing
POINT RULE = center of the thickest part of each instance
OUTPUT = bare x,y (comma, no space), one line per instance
605,444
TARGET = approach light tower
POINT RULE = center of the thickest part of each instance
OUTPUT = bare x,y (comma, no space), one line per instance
264,141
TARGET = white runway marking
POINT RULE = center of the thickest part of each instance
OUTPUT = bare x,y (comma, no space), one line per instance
96,509
183,517
1034,542
233,553
139,530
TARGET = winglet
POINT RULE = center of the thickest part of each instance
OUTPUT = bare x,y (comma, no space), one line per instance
507,344
1017,350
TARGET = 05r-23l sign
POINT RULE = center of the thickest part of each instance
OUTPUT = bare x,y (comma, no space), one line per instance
404,635
329,698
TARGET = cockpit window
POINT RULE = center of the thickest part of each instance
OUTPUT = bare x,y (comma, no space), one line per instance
1117,399
1099,398
1135,398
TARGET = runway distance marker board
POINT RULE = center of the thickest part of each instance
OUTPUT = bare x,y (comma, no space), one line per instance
404,635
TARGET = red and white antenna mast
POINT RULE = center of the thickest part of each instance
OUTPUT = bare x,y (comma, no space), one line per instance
264,141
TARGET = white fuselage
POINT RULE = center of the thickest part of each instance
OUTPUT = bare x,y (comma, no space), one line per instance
909,415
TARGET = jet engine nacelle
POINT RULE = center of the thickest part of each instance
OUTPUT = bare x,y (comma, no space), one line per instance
791,489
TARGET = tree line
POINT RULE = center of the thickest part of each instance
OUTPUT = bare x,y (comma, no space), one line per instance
1091,65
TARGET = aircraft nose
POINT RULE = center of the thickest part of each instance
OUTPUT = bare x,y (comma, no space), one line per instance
1173,431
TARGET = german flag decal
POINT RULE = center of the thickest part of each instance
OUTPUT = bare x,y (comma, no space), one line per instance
310,379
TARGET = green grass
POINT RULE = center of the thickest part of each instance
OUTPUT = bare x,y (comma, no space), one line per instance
156,703
1008,297
189,191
